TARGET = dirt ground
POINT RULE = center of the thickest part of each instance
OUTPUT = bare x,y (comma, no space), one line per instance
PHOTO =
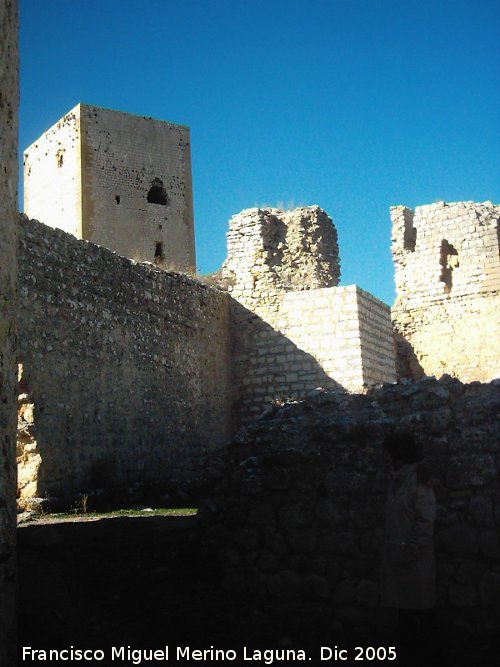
129,581
141,582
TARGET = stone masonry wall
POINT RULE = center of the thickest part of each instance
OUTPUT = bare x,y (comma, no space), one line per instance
130,164
270,249
296,520
447,310
293,330
124,368
9,98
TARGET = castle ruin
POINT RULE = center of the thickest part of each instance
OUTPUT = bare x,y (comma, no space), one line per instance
131,372
295,329
447,309
140,370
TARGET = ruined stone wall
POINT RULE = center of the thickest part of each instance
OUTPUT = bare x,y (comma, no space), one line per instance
293,329
118,180
125,368
447,310
270,249
9,95
297,519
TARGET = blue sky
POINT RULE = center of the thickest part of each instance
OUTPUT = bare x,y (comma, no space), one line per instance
354,105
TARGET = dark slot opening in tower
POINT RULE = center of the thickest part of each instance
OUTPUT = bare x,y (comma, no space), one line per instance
158,253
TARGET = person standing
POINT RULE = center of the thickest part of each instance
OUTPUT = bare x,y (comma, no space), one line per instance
408,563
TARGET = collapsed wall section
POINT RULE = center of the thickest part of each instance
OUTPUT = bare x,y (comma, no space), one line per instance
125,366
9,94
270,249
293,328
297,519
447,309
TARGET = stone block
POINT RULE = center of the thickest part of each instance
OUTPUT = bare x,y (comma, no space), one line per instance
468,572
489,544
368,592
458,540
316,586
340,543
490,588
284,584
345,594
301,541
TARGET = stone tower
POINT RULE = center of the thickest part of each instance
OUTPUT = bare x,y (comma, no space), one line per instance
294,328
118,180
270,249
447,309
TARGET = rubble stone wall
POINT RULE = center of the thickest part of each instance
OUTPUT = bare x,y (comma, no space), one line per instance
270,249
447,310
293,328
9,99
297,519
124,367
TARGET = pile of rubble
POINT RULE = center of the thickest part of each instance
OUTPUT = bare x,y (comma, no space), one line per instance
296,518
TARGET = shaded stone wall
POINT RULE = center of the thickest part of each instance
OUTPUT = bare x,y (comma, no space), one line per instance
297,519
447,310
124,372
118,180
293,329
9,93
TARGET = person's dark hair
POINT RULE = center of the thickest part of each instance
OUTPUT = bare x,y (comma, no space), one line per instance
401,446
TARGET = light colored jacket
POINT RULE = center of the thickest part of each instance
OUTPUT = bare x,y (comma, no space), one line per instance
408,567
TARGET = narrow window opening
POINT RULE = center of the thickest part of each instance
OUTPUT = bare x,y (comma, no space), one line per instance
449,262
117,199
159,253
410,233
157,193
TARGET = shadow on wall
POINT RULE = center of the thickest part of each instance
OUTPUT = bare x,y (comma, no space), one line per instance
297,520
125,440
268,368
125,367
407,363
